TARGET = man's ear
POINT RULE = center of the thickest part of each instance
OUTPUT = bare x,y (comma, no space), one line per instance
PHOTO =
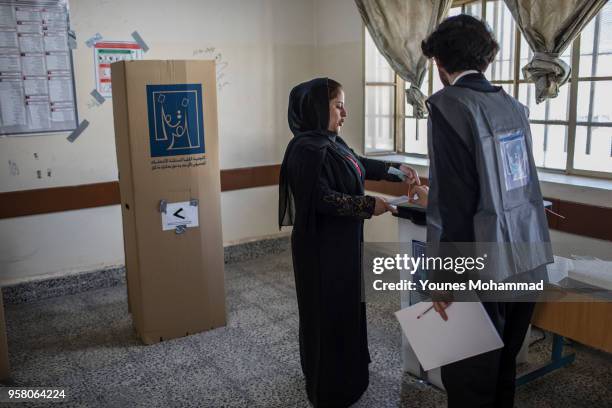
440,67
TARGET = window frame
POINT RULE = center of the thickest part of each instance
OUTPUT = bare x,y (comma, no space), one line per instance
573,84
396,99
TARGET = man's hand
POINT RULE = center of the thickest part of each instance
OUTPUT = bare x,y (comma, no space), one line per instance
422,195
440,307
412,177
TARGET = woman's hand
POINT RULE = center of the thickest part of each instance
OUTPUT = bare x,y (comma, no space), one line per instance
382,206
421,193
412,176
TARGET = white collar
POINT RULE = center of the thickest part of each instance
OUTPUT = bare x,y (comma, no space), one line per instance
464,73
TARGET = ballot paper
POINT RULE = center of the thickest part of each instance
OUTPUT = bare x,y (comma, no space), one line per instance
595,272
397,172
398,200
467,332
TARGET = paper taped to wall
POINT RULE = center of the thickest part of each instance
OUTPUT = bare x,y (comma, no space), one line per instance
36,88
107,52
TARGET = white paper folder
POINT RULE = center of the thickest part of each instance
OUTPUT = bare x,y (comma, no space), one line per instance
467,333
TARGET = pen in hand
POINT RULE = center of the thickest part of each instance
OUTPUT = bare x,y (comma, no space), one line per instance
425,311
441,311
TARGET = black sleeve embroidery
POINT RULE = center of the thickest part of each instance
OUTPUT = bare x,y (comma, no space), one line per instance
335,203
332,202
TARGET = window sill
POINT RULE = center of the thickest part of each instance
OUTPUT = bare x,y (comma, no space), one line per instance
579,189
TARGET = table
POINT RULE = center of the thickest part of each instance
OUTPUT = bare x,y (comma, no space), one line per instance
587,322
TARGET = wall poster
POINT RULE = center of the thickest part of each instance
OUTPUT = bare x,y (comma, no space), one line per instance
37,93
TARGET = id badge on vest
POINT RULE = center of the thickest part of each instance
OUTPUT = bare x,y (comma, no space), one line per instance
514,158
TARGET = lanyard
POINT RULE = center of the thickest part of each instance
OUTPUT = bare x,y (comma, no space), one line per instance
356,165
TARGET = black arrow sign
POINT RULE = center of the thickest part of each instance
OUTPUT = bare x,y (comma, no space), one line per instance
177,212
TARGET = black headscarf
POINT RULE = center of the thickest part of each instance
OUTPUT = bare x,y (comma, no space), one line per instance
309,107
308,117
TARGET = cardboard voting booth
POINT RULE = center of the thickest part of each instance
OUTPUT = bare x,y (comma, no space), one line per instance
165,115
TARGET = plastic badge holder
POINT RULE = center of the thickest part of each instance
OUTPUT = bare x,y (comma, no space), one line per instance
397,172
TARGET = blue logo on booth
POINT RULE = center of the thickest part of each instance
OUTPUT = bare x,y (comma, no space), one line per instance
176,125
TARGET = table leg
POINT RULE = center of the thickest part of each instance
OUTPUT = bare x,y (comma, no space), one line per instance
557,360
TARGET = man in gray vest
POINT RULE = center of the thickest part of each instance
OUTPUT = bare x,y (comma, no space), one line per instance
483,189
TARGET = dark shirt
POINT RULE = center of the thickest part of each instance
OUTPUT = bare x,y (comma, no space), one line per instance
456,170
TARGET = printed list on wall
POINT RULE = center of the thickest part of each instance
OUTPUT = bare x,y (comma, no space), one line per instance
36,72
107,52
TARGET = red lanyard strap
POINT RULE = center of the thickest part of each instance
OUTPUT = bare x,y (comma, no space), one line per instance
356,165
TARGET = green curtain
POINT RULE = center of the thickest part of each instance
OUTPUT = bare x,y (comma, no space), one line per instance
550,27
398,27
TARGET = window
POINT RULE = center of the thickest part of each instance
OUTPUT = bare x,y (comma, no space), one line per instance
415,130
571,133
593,133
380,112
549,119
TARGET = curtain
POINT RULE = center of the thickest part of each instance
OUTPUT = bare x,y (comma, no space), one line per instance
549,27
397,28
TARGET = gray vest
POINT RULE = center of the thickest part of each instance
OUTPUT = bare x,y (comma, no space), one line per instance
510,216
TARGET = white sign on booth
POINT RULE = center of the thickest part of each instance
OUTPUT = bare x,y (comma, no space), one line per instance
181,213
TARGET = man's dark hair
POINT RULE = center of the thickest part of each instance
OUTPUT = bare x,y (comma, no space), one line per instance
461,43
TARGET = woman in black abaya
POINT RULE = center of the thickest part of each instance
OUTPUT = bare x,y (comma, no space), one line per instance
322,196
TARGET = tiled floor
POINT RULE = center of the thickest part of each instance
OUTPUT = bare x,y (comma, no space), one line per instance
86,343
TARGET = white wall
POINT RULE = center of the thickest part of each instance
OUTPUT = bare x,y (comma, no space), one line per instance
339,55
60,243
269,47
